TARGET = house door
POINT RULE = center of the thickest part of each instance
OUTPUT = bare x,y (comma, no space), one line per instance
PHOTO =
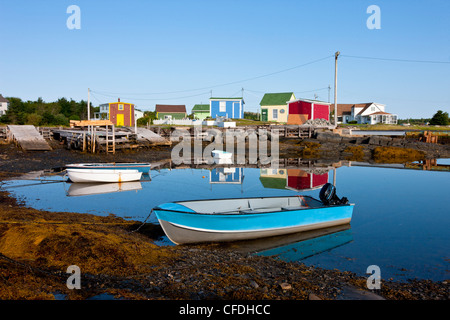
120,120
263,114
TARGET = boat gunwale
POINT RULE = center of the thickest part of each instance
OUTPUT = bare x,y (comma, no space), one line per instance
107,164
249,213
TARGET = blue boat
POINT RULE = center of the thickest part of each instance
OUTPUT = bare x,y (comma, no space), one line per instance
219,220
141,167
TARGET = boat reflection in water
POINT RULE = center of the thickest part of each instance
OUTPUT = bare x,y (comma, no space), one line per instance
296,179
84,189
297,246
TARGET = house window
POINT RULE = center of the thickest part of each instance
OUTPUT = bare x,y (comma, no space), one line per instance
282,111
372,108
120,106
275,114
222,106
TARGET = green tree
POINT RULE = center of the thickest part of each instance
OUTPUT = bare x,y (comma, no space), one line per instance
34,119
440,118
251,115
149,116
61,120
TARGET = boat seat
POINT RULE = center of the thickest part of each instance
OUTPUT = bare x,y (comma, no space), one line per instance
289,208
261,210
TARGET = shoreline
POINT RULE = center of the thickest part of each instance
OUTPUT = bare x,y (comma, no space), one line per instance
36,248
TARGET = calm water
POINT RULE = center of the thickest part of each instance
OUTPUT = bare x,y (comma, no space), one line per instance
401,220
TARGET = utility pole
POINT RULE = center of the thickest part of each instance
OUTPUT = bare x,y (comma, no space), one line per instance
329,88
88,106
335,86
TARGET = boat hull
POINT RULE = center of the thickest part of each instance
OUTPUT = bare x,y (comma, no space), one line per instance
141,167
102,175
191,227
183,235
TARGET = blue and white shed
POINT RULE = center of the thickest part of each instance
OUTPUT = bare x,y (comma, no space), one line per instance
232,108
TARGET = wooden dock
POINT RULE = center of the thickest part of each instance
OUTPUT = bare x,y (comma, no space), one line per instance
281,131
27,137
95,136
150,136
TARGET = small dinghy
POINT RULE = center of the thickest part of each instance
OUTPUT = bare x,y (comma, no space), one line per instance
142,167
219,220
103,175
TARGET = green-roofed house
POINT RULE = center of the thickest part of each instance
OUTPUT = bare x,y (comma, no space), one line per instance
200,111
273,178
274,106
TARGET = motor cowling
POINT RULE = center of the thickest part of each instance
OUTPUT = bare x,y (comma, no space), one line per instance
328,195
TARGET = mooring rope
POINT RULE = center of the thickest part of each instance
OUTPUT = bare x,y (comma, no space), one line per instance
142,222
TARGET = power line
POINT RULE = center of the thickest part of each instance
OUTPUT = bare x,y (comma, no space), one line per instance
154,99
396,60
262,92
217,85
320,89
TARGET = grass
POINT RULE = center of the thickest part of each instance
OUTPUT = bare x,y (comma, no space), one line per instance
395,127
248,122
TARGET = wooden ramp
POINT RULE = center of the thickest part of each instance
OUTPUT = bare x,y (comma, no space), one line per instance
152,137
28,138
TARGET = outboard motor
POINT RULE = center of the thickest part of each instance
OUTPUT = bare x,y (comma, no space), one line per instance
328,195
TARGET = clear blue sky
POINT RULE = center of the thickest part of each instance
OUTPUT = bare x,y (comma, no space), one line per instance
133,48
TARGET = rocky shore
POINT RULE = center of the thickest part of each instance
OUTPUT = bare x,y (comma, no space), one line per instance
328,145
119,257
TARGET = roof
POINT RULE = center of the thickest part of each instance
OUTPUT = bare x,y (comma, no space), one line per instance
2,99
346,108
311,101
366,106
170,108
273,183
221,98
276,99
200,107
379,112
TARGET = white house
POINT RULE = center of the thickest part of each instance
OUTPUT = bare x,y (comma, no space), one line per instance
367,113
4,105
138,114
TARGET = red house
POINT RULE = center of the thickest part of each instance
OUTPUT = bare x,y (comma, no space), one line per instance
121,113
300,180
302,110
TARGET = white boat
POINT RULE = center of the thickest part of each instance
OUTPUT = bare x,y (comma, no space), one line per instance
144,167
220,154
103,175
